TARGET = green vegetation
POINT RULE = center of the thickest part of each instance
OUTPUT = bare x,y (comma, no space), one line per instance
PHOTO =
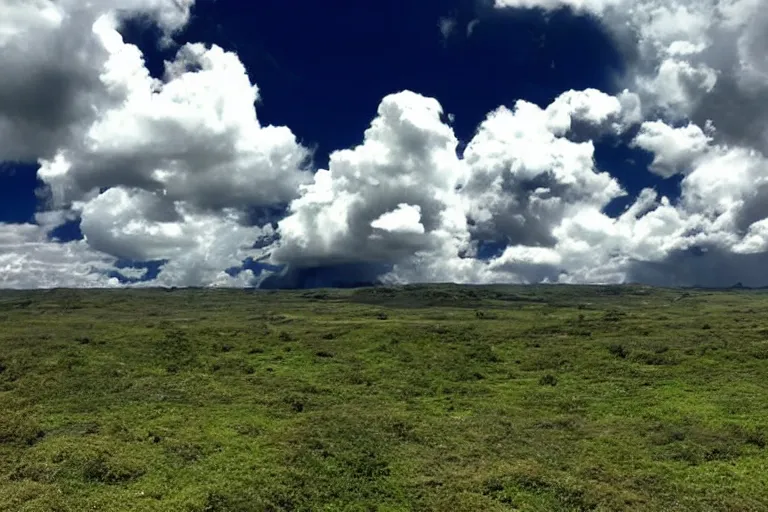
451,398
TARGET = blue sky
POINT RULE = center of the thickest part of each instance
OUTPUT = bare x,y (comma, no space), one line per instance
223,143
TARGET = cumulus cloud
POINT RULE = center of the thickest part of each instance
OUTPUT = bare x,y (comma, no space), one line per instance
28,259
674,149
155,169
525,177
405,198
193,137
51,81
721,209
688,58
384,200
170,169
699,70
404,219
139,226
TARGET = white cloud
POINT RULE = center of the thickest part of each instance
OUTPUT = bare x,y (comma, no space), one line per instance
194,272
593,6
525,186
404,219
168,169
593,107
29,260
689,61
385,200
194,137
137,225
729,188
678,85
525,177
689,58
35,117
156,169
675,149
756,239
403,196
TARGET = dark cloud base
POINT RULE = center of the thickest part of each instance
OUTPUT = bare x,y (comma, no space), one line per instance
707,267
332,276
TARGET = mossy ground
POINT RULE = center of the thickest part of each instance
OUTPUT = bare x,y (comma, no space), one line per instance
419,398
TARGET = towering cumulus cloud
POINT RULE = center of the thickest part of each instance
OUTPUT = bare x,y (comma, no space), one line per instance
384,201
701,72
171,169
155,169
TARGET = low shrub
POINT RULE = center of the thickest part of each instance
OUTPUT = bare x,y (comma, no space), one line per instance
548,380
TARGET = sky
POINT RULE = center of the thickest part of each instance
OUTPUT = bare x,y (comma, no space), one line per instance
284,144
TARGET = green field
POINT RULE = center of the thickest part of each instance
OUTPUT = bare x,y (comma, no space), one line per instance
450,398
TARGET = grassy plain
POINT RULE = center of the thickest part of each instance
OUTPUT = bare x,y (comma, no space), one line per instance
451,398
